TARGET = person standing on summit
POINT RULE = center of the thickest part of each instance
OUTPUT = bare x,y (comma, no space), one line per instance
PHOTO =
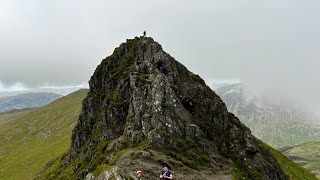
144,33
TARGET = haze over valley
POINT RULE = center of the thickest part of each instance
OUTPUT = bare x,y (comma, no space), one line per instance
209,89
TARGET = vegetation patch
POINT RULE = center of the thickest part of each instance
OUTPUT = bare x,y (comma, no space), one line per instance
193,157
142,79
96,160
241,171
306,155
125,64
237,173
293,170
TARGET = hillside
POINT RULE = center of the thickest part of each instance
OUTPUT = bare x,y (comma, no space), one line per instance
145,110
27,100
306,155
277,124
30,138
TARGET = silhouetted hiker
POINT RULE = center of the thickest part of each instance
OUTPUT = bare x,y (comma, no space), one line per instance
164,70
144,33
166,174
139,175
129,135
159,65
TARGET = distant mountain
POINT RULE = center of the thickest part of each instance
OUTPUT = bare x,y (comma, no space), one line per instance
59,90
29,138
56,90
306,155
28,100
277,122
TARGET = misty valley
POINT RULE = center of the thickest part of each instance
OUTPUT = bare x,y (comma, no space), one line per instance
169,90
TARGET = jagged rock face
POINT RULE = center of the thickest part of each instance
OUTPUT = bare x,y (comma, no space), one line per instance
131,100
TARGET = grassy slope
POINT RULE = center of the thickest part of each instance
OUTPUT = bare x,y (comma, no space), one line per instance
294,171
306,155
31,138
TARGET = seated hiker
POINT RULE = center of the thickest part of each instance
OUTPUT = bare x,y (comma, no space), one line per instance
160,64
139,175
166,174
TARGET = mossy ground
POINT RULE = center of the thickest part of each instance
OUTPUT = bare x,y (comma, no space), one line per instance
97,160
193,157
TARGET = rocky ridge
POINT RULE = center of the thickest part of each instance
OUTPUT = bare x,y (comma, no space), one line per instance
133,118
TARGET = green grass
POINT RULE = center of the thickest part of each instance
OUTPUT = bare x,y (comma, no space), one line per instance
237,173
31,138
96,165
294,171
306,155
191,155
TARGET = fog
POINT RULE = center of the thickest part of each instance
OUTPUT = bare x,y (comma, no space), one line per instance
271,46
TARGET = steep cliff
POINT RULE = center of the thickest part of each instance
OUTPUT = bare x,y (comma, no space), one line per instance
142,114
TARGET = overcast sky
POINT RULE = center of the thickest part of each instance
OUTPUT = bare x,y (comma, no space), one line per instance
271,45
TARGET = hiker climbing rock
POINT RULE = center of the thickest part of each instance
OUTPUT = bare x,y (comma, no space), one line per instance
166,174
159,65
164,70
187,103
129,134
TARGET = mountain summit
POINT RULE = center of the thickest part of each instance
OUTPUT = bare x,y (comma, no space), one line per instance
145,110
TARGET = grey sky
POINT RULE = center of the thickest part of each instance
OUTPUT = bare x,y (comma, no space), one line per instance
271,45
